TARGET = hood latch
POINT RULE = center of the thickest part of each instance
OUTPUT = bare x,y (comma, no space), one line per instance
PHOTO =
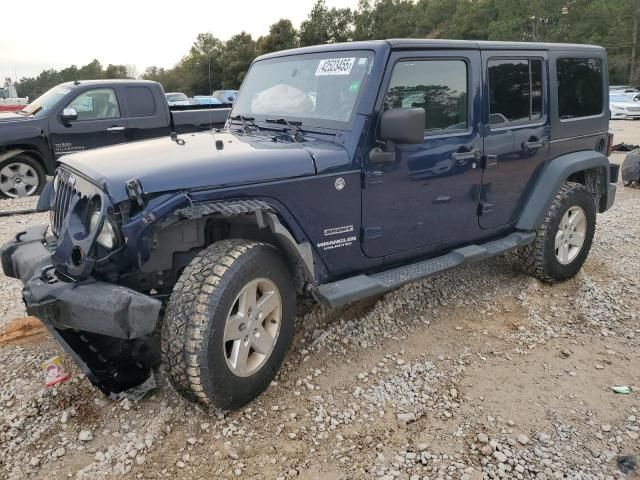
134,190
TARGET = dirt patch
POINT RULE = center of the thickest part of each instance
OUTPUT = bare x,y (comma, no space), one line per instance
23,330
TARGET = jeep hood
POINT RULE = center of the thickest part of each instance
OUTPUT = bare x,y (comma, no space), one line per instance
206,159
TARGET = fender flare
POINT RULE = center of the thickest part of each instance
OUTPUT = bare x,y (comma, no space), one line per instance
265,215
34,153
553,177
11,153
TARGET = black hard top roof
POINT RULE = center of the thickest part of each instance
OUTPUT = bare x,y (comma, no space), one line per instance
435,44
487,45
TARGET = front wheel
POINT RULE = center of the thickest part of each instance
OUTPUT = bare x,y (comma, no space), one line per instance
564,239
229,323
21,176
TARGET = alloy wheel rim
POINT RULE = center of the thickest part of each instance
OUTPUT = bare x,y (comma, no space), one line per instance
252,327
18,180
571,235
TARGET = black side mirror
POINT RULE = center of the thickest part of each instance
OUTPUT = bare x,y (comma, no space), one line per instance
69,114
403,125
398,125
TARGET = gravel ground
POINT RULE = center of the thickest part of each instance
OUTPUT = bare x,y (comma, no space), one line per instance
478,373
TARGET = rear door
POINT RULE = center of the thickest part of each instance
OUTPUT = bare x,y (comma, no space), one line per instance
516,126
100,122
427,198
146,111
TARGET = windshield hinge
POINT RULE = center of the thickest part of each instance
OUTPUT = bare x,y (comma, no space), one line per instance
134,190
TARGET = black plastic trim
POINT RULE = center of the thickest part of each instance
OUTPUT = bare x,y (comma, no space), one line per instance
356,288
552,178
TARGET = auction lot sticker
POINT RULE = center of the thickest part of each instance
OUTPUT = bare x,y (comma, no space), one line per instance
335,66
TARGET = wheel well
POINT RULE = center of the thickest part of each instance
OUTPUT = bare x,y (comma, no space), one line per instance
595,179
175,245
24,150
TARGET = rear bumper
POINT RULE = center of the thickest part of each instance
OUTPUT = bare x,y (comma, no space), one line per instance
91,306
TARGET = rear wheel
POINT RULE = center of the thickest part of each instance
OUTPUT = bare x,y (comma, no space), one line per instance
229,323
563,241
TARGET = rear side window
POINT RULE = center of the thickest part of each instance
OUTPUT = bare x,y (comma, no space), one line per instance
438,86
515,91
580,89
140,100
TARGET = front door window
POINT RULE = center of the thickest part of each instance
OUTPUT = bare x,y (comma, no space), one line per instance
97,104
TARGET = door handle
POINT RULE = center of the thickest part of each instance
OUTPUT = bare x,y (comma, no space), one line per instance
530,145
115,129
463,156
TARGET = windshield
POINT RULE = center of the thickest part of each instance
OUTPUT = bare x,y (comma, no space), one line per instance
177,97
41,105
320,89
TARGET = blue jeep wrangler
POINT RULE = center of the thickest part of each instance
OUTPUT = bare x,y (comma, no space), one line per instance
344,171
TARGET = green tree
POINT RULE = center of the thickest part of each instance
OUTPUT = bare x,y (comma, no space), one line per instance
282,36
324,25
35,86
385,19
239,51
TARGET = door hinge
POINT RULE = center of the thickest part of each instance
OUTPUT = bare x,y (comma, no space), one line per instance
371,233
484,208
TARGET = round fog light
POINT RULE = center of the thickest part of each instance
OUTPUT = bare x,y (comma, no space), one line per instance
76,256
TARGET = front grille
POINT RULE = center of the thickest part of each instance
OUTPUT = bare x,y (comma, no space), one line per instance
633,109
65,190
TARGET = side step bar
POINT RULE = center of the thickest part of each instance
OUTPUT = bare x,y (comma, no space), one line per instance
361,286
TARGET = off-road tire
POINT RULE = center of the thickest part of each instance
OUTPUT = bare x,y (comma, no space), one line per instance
197,311
34,165
538,259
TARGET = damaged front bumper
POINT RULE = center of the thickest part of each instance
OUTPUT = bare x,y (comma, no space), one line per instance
105,327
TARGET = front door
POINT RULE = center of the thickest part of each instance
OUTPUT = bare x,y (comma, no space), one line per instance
100,123
516,143
427,198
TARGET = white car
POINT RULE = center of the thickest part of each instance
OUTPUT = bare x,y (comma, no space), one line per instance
177,98
622,106
635,96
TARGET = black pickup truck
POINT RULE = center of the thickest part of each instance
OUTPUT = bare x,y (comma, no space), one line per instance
82,115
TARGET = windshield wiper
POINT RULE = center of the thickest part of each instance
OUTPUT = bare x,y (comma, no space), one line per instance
294,131
245,122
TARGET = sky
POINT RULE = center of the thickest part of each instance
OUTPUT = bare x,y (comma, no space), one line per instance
41,34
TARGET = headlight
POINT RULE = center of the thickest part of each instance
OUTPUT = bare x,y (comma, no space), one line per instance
107,237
